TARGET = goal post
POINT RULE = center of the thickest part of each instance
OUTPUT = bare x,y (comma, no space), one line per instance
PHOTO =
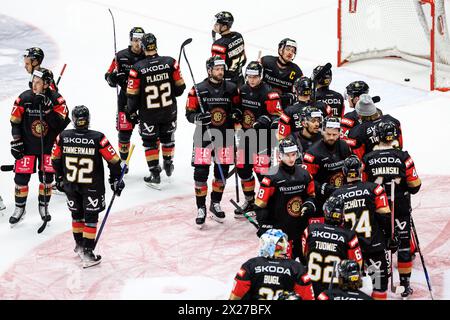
415,30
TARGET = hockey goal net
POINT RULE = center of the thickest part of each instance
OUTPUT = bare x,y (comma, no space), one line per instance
415,30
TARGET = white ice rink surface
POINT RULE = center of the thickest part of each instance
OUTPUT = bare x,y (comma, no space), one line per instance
150,247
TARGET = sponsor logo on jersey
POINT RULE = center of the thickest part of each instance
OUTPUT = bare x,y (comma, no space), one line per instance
78,140
355,193
273,95
378,190
241,272
218,48
384,160
18,100
272,269
104,142
157,67
308,157
285,118
248,119
218,116
354,242
351,142
328,235
265,181
408,162
347,122
133,73
294,207
306,278
39,129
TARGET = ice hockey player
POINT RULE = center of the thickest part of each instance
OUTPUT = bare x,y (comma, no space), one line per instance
260,106
310,131
153,85
271,272
117,75
350,281
32,59
327,243
367,211
280,72
291,120
324,160
219,99
390,167
285,199
324,94
33,140
362,138
77,159
230,47
351,94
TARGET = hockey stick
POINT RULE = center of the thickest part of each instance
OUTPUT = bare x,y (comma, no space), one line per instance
322,71
44,225
61,73
7,167
395,289
330,286
122,173
236,177
216,156
115,57
425,271
213,35
250,219
185,43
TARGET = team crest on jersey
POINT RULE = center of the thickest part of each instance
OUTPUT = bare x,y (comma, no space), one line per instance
337,179
294,207
248,119
218,117
39,129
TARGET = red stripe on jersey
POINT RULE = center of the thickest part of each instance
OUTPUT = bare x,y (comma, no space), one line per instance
360,151
109,154
61,100
353,242
264,193
351,142
285,118
322,296
378,190
328,110
355,254
347,122
312,168
311,189
409,162
133,73
308,157
241,287
381,201
218,49
241,272
306,278
273,107
305,292
266,181
56,150
176,73
113,66
273,95
284,130
192,101
61,109
17,100
316,220
17,112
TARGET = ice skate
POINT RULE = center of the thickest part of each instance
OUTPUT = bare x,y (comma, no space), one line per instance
217,213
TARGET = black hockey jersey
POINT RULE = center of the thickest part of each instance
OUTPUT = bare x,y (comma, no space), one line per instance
231,48
364,202
153,85
26,124
265,278
281,79
339,294
333,99
362,138
303,142
78,156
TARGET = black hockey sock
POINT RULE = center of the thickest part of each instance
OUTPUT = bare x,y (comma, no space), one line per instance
152,157
217,193
21,194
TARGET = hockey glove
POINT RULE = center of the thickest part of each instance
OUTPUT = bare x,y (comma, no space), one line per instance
287,99
44,101
116,78
236,116
17,149
132,117
327,189
392,243
263,122
263,228
59,183
308,209
204,118
116,185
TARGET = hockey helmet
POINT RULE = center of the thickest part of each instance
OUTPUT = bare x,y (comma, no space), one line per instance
286,42
34,53
215,61
331,123
355,89
80,117
254,68
136,33
387,131
45,74
303,86
273,244
148,42
323,79
310,112
349,275
352,167
225,18
333,211
287,145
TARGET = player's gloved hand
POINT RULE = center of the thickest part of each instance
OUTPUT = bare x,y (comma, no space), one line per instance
204,118
59,183
116,185
287,99
17,149
44,101
132,117
392,243
116,78
236,115
308,208
327,189
263,228
263,122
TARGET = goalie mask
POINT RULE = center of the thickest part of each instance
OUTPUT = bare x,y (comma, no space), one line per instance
273,244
